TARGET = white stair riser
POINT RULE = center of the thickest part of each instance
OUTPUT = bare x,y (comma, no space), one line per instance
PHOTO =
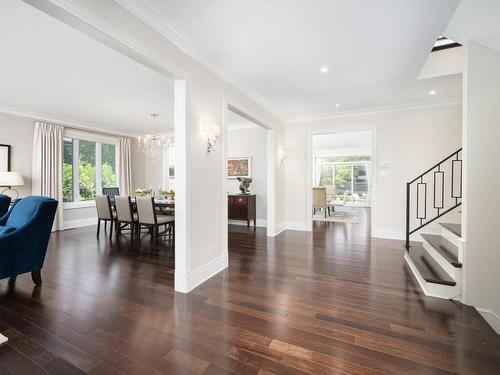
433,289
447,266
455,240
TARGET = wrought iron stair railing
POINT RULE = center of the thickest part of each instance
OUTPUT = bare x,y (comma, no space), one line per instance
443,182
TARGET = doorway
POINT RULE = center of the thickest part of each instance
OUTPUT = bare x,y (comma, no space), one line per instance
249,144
341,180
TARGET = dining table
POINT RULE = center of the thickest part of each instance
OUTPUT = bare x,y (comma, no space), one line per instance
163,206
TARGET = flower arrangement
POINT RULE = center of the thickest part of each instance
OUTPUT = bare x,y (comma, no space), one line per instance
142,192
168,194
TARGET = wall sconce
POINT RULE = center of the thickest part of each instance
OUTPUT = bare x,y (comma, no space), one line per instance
211,130
283,157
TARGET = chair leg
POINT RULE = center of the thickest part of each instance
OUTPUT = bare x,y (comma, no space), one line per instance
36,276
12,280
98,227
111,229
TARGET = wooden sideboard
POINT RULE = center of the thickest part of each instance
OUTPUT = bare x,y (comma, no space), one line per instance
242,207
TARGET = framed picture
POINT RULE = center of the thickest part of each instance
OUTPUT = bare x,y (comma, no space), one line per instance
239,167
4,158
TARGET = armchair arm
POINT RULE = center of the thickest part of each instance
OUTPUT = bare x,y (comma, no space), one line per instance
4,218
23,250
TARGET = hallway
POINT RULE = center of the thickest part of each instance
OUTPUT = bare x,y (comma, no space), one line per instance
331,301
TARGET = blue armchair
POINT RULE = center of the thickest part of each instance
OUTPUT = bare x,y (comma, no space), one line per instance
24,237
4,204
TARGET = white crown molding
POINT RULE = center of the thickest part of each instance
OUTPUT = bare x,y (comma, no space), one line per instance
242,125
78,125
148,14
375,111
61,9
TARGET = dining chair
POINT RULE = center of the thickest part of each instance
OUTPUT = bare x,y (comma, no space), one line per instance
111,192
331,192
125,214
319,200
149,218
104,213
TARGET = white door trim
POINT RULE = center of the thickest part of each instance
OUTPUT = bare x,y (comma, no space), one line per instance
310,170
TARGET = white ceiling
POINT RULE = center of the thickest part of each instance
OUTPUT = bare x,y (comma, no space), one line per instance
274,49
346,140
51,69
478,20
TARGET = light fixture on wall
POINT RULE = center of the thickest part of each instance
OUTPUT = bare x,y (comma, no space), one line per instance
283,157
211,130
154,144
10,179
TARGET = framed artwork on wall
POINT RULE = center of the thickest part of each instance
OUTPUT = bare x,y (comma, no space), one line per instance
5,158
239,167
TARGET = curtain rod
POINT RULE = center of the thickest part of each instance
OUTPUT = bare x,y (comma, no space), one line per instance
97,132
83,129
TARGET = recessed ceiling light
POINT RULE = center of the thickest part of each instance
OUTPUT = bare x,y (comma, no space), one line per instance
324,69
432,92
337,105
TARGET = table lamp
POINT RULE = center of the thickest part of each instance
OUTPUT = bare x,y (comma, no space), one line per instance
10,179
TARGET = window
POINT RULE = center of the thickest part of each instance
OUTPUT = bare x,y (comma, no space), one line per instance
88,166
169,168
349,174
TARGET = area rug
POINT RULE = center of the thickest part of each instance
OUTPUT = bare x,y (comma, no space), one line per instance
339,216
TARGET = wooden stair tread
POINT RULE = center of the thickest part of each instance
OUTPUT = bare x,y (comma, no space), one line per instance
444,247
455,228
428,268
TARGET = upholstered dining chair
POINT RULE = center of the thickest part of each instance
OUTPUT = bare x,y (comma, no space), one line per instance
4,204
149,218
24,237
111,192
319,199
104,213
125,215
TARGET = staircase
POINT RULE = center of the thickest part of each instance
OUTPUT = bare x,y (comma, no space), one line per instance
436,257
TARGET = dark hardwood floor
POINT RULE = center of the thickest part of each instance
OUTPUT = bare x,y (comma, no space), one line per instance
333,301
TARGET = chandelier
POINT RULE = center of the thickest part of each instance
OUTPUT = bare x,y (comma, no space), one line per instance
153,144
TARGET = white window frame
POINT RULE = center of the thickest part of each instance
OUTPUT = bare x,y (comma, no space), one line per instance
99,140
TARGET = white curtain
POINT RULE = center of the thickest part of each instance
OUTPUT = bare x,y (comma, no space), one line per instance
124,166
47,165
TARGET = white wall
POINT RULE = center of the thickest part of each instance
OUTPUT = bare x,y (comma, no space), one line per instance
18,132
251,141
203,242
482,182
412,140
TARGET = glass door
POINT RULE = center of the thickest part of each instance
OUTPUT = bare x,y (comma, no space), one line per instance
360,184
343,182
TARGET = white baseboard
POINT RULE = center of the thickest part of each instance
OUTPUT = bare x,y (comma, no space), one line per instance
492,318
279,229
3,339
297,225
259,223
70,224
205,272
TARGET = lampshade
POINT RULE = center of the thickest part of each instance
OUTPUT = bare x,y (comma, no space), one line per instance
210,127
11,179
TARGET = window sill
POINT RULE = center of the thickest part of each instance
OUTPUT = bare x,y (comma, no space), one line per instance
78,205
